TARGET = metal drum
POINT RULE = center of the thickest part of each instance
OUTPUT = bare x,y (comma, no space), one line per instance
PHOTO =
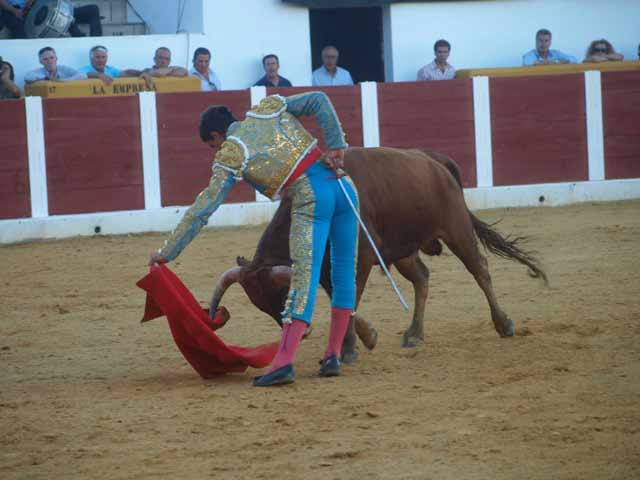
49,18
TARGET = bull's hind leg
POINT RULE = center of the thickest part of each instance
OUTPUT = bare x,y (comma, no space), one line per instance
413,269
463,244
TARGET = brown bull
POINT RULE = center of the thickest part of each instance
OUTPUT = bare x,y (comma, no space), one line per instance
410,200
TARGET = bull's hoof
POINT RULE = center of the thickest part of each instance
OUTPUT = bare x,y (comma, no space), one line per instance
366,333
410,341
349,358
508,328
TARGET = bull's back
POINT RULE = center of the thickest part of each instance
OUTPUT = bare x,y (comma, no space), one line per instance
405,195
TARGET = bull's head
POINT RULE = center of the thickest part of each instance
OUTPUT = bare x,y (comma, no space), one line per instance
266,287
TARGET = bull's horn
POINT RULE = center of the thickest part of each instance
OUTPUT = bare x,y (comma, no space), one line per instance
281,275
227,279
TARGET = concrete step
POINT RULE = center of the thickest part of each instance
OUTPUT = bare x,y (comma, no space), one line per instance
118,29
113,11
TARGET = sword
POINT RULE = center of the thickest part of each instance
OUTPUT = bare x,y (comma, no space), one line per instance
373,245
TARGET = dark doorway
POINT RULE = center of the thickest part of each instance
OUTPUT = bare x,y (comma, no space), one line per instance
356,33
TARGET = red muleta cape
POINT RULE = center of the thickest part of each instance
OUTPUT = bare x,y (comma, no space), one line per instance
192,329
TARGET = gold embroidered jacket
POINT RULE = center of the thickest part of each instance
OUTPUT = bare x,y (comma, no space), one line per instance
263,150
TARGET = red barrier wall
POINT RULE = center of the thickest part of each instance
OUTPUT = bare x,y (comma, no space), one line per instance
435,115
94,160
15,199
621,123
185,161
538,128
348,104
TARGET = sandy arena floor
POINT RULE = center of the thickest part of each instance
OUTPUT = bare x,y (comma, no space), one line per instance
88,392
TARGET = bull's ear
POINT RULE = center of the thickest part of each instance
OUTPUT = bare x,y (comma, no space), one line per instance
242,262
280,275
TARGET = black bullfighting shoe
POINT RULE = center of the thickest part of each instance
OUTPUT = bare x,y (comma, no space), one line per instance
330,367
282,376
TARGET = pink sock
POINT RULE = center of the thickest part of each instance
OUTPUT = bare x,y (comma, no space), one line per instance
339,323
291,335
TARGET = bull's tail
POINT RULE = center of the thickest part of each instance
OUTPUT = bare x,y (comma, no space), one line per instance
494,242
506,247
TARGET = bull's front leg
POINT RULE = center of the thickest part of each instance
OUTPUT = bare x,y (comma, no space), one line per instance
356,322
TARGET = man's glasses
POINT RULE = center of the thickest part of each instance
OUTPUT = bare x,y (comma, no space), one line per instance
600,50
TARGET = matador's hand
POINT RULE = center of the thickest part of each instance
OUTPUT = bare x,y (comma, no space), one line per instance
334,159
155,259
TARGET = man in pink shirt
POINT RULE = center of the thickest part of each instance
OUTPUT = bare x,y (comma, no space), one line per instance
439,69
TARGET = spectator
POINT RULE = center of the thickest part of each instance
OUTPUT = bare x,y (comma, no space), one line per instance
330,74
439,69
99,69
51,70
602,51
8,89
14,13
201,69
86,14
162,66
271,65
543,55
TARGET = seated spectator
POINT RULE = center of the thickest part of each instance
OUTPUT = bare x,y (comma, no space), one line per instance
602,51
99,69
50,70
271,65
8,89
201,69
329,74
543,55
86,14
439,69
162,66
14,13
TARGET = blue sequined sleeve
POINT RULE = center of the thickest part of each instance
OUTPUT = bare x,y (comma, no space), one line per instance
317,104
198,214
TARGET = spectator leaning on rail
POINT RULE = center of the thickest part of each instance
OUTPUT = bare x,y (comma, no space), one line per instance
439,69
201,69
330,74
542,54
602,51
271,65
162,66
51,70
99,69
8,89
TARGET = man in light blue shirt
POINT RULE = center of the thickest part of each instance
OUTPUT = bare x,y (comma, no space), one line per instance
543,55
51,71
330,74
99,69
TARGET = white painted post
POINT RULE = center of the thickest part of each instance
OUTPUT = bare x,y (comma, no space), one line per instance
482,123
37,157
370,122
595,131
257,94
150,155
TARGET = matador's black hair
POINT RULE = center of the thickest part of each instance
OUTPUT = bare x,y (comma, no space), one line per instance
216,118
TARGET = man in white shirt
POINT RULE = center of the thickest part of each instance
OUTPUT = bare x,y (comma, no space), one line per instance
330,74
439,69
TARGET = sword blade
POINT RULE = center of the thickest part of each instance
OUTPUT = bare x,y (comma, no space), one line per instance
373,245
